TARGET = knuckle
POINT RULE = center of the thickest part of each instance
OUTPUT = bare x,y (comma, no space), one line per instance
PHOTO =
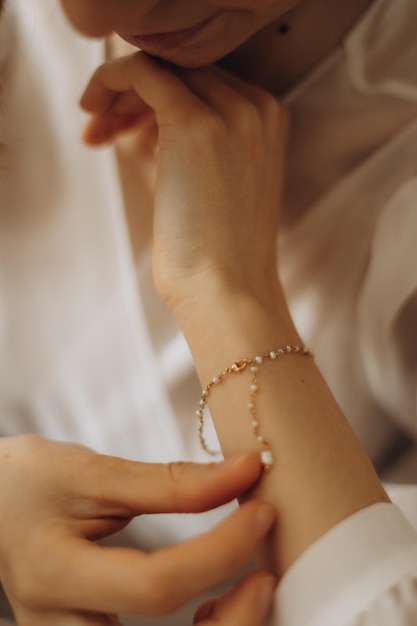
25,448
272,110
267,102
179,486
246,115
177,471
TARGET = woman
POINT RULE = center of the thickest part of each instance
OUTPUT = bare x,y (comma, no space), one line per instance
319,472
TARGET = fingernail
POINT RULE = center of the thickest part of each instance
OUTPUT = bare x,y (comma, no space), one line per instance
234,460
266,595
264,518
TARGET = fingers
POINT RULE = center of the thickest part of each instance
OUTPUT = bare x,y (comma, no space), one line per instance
121,92
125,88
227,95
75,491
247,604
119,580
125,488
101,129
156,87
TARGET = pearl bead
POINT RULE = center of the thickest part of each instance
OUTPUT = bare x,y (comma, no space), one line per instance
258,359
254,369
254,387
273,355
267,458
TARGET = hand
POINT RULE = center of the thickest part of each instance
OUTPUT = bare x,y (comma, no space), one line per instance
219,170
57,499
248,604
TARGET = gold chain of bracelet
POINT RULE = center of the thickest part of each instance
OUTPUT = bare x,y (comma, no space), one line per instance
238,367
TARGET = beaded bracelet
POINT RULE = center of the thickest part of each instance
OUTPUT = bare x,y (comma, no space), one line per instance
267,457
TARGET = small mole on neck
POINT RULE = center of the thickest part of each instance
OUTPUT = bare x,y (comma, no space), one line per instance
283,29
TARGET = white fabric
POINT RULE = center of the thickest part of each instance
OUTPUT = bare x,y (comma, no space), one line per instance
349,264
86,356
339,585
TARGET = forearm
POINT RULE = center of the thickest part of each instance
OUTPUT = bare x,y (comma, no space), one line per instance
218,187
320,475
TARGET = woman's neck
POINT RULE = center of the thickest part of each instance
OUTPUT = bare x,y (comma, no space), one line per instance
279,55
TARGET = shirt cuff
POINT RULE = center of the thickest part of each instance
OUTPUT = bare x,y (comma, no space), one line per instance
341,574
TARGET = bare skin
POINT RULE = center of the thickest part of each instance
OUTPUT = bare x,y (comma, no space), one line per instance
214,130
273,61
245,36
55,574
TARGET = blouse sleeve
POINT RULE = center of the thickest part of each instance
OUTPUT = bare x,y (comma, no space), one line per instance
361,573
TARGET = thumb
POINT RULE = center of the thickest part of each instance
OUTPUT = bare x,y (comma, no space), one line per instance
138,488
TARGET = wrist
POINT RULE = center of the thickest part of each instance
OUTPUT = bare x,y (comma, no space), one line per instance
212,290
225,322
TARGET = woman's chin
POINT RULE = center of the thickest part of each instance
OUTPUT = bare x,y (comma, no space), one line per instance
186,59
193,56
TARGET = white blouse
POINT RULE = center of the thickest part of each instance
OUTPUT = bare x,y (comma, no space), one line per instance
88,353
